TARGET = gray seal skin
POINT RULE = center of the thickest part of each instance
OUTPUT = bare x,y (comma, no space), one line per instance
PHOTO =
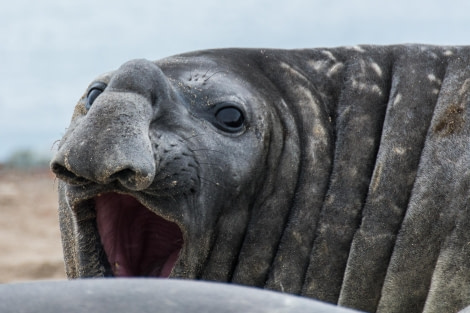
338,174
150,296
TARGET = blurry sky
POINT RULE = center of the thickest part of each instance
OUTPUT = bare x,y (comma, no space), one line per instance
51,49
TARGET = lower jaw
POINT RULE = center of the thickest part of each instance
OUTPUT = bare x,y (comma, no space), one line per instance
169,265
161,269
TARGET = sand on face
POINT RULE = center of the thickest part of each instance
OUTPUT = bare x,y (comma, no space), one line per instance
30,247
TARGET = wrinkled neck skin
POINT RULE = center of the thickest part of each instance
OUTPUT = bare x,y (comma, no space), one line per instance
149,141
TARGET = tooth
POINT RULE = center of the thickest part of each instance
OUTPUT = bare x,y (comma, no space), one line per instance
116,268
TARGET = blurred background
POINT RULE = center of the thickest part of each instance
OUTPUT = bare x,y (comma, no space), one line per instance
50,50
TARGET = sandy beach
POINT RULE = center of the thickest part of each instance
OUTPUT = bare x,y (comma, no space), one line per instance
30,247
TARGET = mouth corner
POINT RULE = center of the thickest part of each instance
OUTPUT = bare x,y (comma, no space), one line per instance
136,240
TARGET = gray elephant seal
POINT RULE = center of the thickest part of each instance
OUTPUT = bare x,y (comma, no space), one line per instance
338,174
149,296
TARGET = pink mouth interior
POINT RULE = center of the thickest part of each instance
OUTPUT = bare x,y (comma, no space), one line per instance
137,241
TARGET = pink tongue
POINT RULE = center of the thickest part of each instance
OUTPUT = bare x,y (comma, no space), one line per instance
137,242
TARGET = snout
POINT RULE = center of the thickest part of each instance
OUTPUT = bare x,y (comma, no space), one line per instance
110,144
111,141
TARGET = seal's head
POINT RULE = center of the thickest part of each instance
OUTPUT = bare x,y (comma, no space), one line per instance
338,174
163,165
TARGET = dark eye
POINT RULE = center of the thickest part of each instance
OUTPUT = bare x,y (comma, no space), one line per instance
95,90
230,119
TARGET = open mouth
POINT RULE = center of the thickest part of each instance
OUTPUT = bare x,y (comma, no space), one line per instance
137,241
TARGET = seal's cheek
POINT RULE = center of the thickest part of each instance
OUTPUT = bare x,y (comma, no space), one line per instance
137,242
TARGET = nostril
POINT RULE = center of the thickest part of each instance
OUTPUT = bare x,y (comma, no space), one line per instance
131,179
123,175
64,174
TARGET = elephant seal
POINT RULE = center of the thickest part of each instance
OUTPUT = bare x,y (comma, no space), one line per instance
338,174
150,295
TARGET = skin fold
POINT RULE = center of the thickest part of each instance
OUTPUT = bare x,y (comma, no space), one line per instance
338,174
